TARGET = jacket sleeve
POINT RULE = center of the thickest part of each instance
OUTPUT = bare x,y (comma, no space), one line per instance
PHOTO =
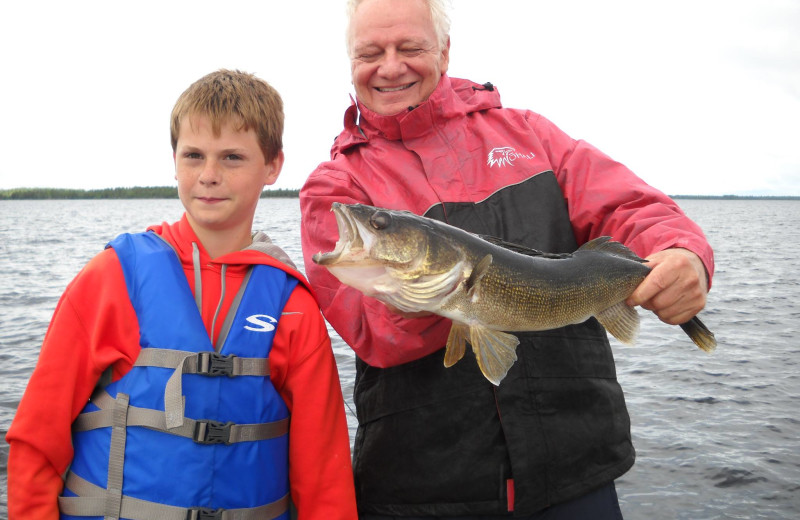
606,198
89,318
303,369
378,336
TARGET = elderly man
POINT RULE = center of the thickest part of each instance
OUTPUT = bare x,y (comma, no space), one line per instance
444,442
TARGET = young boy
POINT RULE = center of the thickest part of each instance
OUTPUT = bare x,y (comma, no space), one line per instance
206,364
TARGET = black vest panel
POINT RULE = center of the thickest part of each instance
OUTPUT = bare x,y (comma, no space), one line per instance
444,441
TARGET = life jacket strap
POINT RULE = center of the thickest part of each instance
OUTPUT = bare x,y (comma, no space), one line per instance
200,431
204,363
91,502
116,456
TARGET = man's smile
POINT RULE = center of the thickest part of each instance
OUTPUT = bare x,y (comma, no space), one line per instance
395,89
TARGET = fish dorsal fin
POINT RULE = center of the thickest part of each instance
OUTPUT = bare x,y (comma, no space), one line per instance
606,245
477,273
621,321
523,250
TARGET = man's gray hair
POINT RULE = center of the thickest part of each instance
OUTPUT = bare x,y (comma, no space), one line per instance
439,16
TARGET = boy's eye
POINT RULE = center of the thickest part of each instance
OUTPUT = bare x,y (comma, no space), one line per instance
192,155
233,157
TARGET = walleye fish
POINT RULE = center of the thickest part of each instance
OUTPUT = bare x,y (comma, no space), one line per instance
418,264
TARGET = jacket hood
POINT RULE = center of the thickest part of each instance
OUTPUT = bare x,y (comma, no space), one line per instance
361,123
261,251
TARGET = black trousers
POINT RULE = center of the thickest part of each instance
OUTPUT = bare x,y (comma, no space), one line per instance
600,504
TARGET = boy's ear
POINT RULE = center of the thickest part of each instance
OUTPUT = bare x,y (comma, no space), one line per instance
273,169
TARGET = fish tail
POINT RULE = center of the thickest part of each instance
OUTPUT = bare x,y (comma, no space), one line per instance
700,334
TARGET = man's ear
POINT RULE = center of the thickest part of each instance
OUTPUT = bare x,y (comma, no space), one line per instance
446,56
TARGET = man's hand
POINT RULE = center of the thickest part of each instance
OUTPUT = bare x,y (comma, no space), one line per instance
676,288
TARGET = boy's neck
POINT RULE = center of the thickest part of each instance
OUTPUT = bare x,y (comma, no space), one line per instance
219,243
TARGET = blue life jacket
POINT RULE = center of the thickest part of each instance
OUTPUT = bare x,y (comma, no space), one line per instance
190,431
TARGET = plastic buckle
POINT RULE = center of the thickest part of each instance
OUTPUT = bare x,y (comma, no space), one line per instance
212,432
214,364
204,513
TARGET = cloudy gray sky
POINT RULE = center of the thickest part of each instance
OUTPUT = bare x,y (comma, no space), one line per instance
696,96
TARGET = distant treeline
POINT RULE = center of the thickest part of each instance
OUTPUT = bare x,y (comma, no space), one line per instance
171,192
146,192
737,197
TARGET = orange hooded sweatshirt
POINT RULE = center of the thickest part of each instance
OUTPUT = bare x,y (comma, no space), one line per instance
95,326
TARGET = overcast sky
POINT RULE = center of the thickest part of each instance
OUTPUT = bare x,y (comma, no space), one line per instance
697,97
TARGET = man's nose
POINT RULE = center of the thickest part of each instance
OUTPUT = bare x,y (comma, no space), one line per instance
393,64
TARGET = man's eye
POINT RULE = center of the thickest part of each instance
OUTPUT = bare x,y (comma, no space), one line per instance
192,155
233,157
368,55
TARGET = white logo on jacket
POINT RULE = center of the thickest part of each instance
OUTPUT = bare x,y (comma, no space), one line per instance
261,323
506,155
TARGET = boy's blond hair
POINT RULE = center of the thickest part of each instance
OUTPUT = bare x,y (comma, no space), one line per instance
239,98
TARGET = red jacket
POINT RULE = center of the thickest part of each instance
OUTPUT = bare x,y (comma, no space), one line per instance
95,326
462,146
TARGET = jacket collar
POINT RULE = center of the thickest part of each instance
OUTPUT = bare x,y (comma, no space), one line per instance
452,98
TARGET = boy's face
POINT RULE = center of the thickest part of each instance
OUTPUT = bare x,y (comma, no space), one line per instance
220,178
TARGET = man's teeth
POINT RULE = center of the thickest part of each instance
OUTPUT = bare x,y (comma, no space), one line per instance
393,89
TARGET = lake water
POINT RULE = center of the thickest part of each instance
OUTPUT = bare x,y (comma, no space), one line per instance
717,436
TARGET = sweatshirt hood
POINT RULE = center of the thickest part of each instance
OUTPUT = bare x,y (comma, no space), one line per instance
186,244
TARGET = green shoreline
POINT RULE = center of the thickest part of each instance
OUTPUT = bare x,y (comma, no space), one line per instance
171,192
143,192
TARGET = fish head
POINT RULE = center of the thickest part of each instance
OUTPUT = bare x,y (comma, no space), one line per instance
395,256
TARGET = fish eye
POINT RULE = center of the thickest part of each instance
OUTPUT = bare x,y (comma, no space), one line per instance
380,220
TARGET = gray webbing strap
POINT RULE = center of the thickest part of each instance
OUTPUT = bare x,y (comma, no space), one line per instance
116,458
202,362
173,396
89,502
200,431
194,363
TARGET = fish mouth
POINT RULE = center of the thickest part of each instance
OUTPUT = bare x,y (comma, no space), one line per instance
351,246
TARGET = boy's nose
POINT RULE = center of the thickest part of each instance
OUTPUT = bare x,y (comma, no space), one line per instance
210,174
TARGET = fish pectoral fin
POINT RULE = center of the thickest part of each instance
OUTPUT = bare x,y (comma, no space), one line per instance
496,352
621,321
476,274
700,334
456,344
